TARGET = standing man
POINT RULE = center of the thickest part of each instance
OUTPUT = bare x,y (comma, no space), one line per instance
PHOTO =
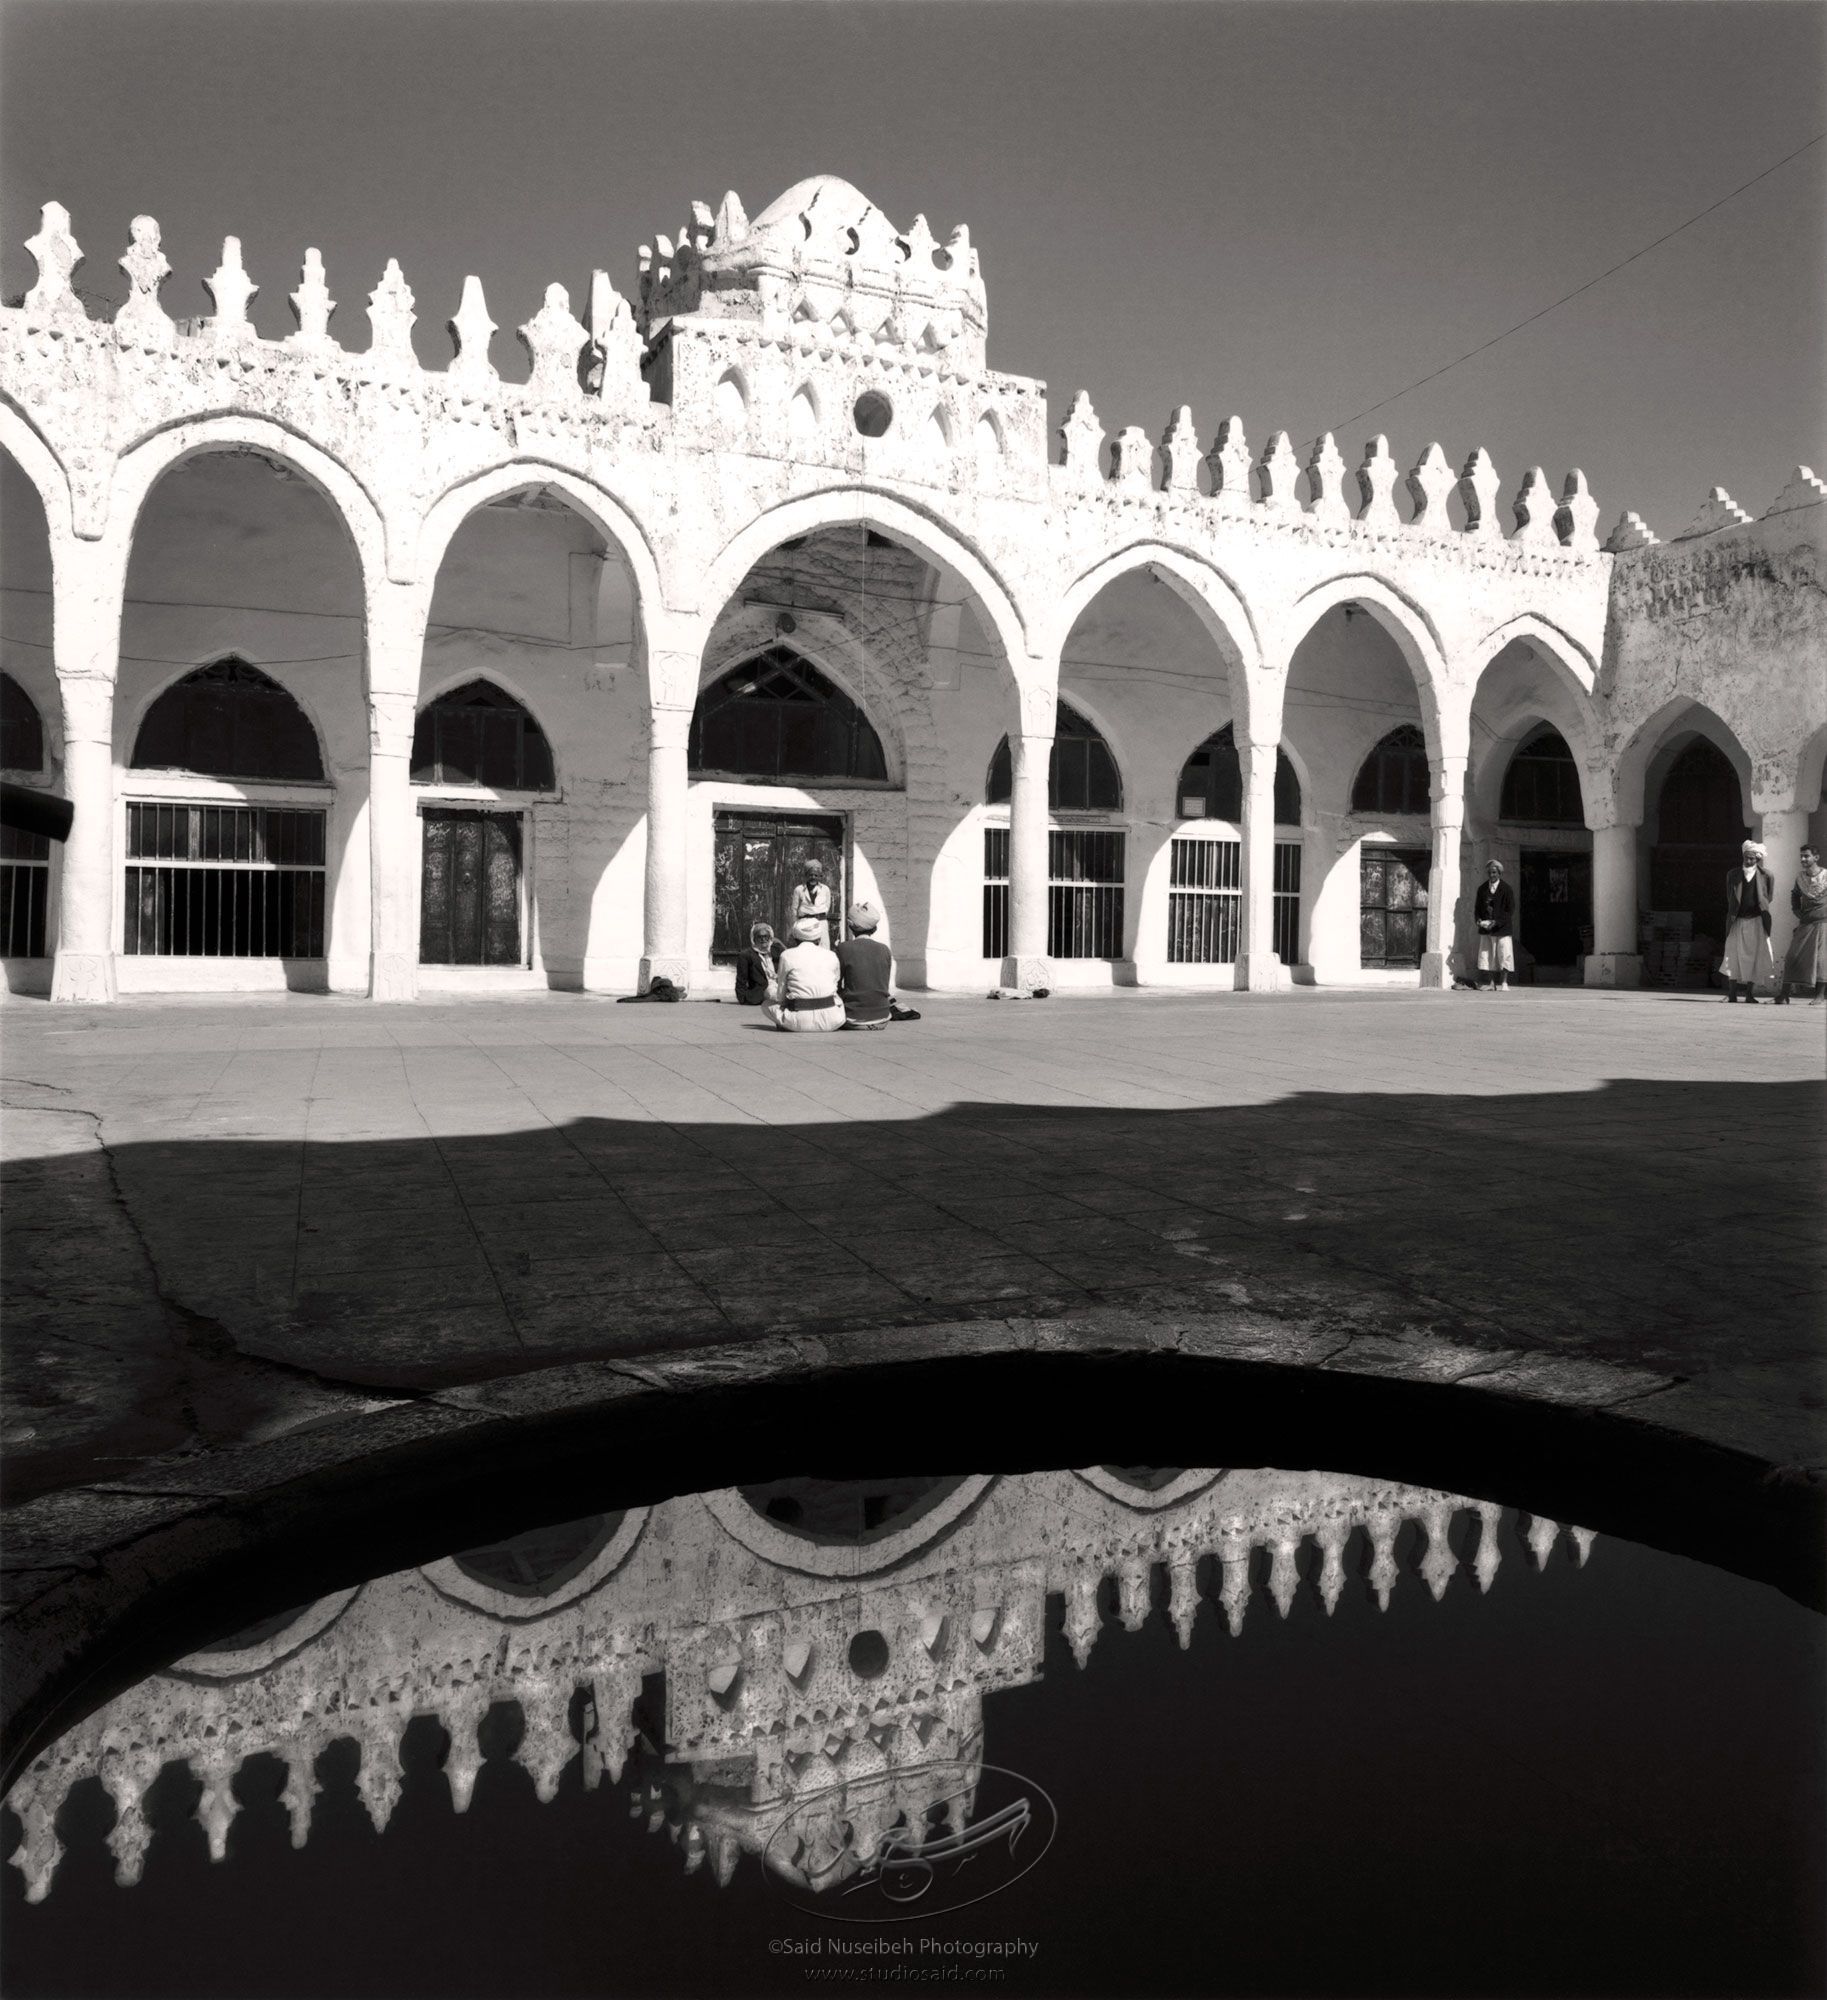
1805,968
867,979
812,901
1494,907
1749,889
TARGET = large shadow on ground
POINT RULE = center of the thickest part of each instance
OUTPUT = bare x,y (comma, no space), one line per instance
1302,1282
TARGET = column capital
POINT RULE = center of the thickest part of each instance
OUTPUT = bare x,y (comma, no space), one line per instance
392,714
88,708
669,725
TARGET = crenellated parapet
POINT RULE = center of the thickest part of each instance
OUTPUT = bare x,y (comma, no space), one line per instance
823,1680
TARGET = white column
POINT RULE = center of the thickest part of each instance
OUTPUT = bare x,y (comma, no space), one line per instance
1030,821
1614,960
663,950
83,968
1258,968
1784,833
395,648
87,579
1443,877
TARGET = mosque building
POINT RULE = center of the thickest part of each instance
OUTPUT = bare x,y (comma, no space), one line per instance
375,679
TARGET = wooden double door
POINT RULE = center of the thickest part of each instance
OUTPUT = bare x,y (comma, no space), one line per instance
1392,905
760,859
471,888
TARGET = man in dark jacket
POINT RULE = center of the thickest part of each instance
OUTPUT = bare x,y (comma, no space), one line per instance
1494,910
867,976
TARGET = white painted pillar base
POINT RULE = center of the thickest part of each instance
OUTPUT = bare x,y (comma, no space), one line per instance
82,970
1027,968
1259,970
1614,960
1437,960
1784,834
668,792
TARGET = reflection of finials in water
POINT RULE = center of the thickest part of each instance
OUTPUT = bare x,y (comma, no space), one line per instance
825,1662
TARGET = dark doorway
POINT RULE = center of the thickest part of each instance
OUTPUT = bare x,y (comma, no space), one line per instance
469,910
1555,904
1392,906
1700,826
760,857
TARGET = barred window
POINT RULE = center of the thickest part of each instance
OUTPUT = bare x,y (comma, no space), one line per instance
1211,783
1085,873
1205,901
21,730
225,881
1081,774
1542,784
778,719
228,720
479,734
1394,777
25,890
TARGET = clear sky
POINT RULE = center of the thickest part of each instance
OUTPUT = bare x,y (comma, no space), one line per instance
1288,210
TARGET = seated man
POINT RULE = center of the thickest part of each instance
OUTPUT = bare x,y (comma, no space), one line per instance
868,971
808,1002
755,968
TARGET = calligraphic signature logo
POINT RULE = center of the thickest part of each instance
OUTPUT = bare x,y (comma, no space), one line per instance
912,1843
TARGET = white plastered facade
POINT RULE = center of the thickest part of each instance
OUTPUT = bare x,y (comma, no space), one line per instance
605,539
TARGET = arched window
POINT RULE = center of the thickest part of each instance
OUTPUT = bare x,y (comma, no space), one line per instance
1394,777
21,732
1701,803
1542,784
778,719
480,735
228,720
1081,775
1211,783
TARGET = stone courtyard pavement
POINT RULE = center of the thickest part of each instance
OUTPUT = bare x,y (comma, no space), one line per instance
230,1222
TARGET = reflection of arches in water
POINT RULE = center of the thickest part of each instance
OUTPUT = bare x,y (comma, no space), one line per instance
542,1560
847,1510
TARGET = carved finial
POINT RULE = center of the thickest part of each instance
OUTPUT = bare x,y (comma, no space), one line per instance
555,337
57,253
1132,460
472,330
1718,510
1382,1573
217,1805
391,315
732,220
313,304
1279,470
1543,1534
231,289
1132,1594
142,320
1083,1618
920,246
1428,486
1439,1563
1583,1539
39,1851
1534,510
703,225
1478,486
1485,1563
301,1788
1326,482
379,1779
1083,439
1803,490
1632,532
1234,1590
615,339
1331,1538
1183,1597
546,1744
1377,486
1576,518
1284,1578
1228,461
1180,452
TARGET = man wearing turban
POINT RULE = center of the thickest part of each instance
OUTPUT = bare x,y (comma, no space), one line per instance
1748,957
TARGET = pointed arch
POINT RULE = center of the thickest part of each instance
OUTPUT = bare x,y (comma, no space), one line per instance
1540,782
475,731
1207,592
1550,642
1416,638
145,463
22,741
731,399
229,720
901,520
1660,732
774,718
1395,777
1212,778
20,440
1082,772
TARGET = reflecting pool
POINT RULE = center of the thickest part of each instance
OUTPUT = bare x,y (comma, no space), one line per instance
1121,1729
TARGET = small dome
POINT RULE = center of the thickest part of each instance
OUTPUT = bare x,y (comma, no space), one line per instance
821,199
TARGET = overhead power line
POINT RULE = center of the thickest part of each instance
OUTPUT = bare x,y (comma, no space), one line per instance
1472,353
